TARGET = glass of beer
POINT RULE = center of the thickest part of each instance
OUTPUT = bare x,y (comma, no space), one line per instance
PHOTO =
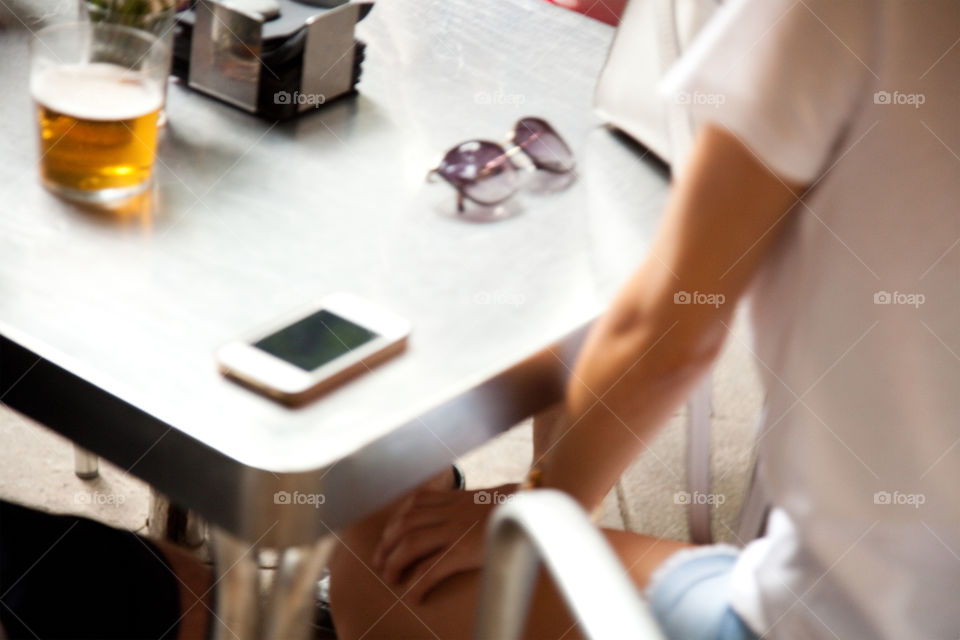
98,89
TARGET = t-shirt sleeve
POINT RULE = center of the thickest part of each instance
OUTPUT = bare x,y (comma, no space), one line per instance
782,75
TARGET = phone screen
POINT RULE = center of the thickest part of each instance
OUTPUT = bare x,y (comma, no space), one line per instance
315,340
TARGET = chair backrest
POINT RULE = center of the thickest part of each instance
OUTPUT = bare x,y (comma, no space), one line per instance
548,528
652,35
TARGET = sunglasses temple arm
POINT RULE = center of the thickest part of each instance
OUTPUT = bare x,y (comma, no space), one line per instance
460,206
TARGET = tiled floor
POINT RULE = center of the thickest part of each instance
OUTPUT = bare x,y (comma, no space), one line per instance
36,468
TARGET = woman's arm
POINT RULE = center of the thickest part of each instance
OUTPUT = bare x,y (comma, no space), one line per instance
644,356
640,361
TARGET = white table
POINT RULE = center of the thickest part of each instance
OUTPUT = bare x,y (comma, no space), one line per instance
108,326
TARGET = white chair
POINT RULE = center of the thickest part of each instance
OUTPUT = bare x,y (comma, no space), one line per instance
548,528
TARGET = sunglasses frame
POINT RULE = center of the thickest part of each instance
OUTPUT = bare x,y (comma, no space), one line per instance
509,148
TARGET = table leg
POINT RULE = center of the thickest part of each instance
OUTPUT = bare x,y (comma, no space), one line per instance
285,609
86,465
173,523
290,604
237,578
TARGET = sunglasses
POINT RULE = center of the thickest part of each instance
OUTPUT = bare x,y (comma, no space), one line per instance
483,172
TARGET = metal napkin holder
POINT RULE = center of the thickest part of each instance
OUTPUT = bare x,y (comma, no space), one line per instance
276,69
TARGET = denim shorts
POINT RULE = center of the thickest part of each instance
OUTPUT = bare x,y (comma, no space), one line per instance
690,597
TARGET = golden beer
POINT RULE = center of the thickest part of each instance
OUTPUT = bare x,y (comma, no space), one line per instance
98,129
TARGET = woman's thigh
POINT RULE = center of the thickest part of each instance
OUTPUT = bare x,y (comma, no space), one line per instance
365,607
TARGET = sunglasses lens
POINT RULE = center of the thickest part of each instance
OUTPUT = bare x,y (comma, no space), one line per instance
481,171
543,145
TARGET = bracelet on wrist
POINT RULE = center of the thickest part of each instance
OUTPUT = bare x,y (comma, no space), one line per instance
534,479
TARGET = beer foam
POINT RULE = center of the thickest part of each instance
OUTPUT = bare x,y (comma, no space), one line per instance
96,91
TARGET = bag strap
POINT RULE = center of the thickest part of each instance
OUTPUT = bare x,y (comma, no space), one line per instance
680,131
698,462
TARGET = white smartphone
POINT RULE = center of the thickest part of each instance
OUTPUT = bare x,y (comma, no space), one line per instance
308,353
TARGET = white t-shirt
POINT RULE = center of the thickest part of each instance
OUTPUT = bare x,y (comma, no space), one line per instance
857,309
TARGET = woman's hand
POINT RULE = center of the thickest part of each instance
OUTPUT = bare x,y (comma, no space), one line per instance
435,534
